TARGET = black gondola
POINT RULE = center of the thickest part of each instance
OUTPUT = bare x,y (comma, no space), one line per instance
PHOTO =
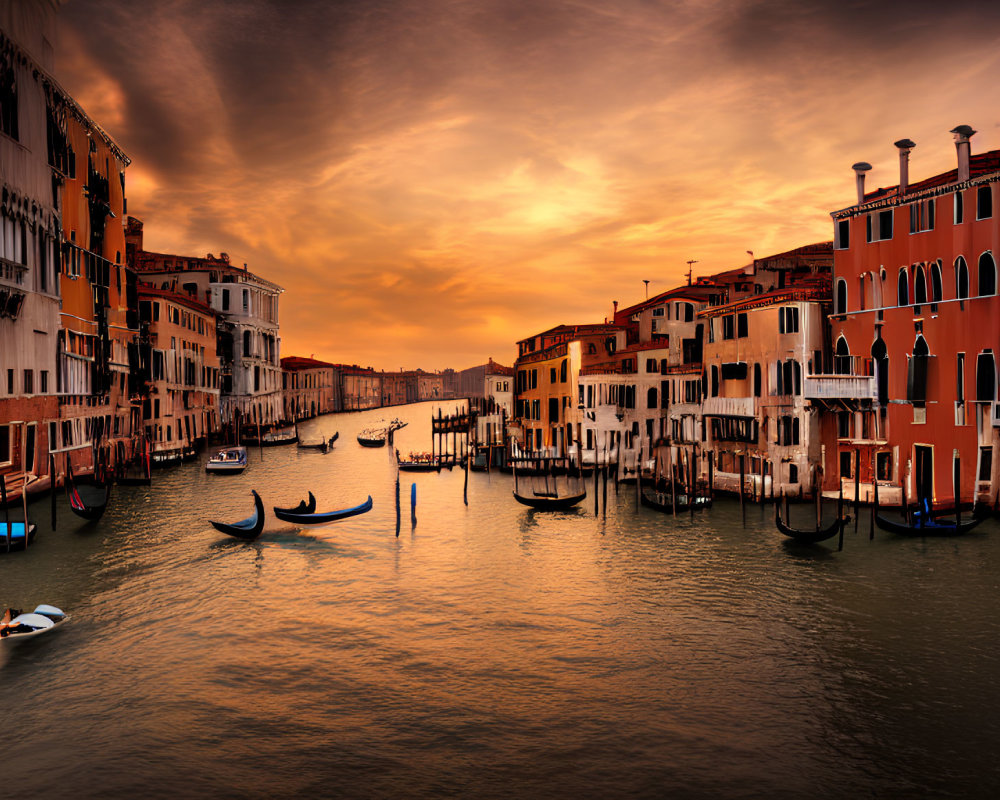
322,518
92,502
925,525
662,502
303,507
248,528
547,502
323,446
810,536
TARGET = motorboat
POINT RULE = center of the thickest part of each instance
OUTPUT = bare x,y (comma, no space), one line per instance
16,626
231,460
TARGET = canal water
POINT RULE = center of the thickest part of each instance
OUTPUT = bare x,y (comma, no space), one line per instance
489,650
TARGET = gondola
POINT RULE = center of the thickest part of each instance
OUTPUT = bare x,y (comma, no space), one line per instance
302,508
424,462
810,536
661,501
925,525
548,502
90,505
323,446
248,528
12,535
372,438
322,518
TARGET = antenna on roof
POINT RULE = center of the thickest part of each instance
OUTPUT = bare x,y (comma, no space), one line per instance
691,264
647,287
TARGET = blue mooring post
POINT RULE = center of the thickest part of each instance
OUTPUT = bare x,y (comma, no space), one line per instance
413,504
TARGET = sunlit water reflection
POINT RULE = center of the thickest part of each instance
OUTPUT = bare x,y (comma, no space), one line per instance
490,650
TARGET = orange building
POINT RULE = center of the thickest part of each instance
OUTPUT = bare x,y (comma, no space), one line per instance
178,372
309,388
916,330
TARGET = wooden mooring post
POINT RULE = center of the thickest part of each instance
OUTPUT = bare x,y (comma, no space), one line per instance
52,487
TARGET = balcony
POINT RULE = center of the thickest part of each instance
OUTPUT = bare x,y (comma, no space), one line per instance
728,407
840,387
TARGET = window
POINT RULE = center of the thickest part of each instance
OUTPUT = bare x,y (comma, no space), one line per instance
987,275
652,365
986,378
728,331
916,379
922,216
10,381
757,380
879,226
29,382
742,326
985,463
788,320
845,464
651,399
552,374
959,208
984,202
961,279
688,312
658,312
902,289
225,299
840,306
564,371
937,285
44,381
8,94
842,234
715,381
919,286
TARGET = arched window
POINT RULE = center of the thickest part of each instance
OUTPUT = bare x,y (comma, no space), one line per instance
842,358
919,286
961,278
651,399
986,378
881,357
987,274
916,379
562,370
902,289
841,303
937,284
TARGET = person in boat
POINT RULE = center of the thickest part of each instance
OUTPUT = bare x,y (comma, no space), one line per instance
6,619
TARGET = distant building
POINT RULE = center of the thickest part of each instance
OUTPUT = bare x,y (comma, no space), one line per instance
247,308
179,370
309,388
361,387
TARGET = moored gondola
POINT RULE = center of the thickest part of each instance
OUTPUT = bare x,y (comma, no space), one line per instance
925,525
550,502
91,503
323,518
663,502
809,536
248,528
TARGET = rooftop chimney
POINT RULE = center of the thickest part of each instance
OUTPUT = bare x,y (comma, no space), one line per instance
859,173
905,146
615,303
962,135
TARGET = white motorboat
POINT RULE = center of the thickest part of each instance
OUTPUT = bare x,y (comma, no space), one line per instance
16,627
231,460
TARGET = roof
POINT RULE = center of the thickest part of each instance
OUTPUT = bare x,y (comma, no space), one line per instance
814,289
574,331
295,363
145,262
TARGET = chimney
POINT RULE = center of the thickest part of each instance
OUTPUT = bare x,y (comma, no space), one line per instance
615,304
905,146
962,135
859,173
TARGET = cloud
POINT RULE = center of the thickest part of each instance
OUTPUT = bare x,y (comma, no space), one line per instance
433,181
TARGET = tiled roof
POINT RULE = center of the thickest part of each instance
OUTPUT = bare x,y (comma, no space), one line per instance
294,363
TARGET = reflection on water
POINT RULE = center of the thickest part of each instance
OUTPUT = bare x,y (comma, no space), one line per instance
491,650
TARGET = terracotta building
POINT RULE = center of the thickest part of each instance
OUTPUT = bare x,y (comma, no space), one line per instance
178,370
916,331
309,388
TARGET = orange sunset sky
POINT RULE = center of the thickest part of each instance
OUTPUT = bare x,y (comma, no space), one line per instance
432,180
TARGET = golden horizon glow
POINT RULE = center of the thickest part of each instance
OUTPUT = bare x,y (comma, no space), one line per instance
432,182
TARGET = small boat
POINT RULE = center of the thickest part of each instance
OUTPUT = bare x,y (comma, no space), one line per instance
323,446
546,501
248,528
810,536
303,507
662,501
322,518
15,626
232,460
92,501
12,535
274,437
372,437
926,525
420,462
